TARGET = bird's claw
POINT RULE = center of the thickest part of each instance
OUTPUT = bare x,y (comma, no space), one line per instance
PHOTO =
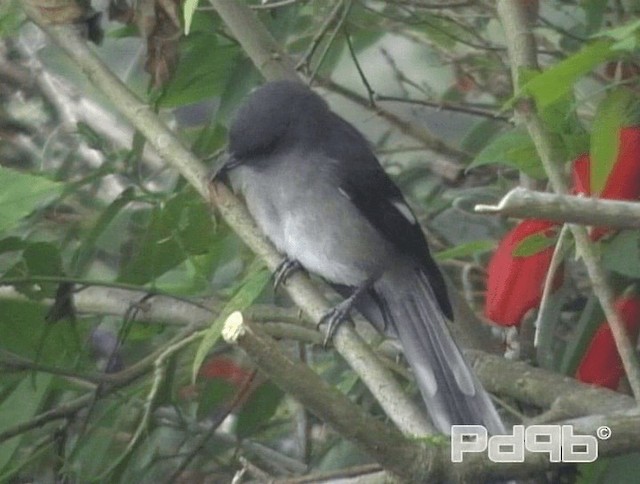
334,318
283,271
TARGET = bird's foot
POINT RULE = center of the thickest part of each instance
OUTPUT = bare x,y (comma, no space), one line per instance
340,313
335,317
283,271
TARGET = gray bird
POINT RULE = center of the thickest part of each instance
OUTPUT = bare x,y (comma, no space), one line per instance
315,188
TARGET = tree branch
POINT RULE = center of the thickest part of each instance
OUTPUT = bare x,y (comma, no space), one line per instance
543,388
523,203
255,39
384,443
514,379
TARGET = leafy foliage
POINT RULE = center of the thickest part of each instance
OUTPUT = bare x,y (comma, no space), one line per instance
84,202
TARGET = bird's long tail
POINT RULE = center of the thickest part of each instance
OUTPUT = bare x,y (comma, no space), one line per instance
451,391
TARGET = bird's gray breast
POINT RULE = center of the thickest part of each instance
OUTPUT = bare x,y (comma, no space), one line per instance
299,206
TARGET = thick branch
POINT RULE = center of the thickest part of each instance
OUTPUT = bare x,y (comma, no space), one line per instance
256,41
281,323
523,203
566,396
521,42
384,443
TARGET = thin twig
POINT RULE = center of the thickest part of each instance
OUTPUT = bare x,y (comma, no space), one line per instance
322,31
159,366
370,92
117,381
346,8
272,5
543,325
445,106
221,415
449,162
432,6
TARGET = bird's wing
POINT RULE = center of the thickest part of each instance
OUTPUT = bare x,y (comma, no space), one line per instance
365,183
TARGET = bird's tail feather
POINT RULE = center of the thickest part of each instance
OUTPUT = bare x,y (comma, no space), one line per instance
451,391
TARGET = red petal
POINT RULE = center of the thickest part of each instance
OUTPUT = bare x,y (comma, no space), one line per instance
623,182
601,364
225,369
514,284
581,175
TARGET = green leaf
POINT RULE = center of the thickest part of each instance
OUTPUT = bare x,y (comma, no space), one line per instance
24,332
595,11
178,229
532,244
37,259
465,250
210,139
123,32
188,10
82,256
98,445
622,469
626,36
622,254
513,148
42,259
577,344
559,79
11,17
12,244
19,406
203,71
251,288
214,394
259,409
91,137
21,194
478,136
613,112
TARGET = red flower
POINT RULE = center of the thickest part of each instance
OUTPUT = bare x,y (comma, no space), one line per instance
515,284
623,182
222,368
601,364
225,369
